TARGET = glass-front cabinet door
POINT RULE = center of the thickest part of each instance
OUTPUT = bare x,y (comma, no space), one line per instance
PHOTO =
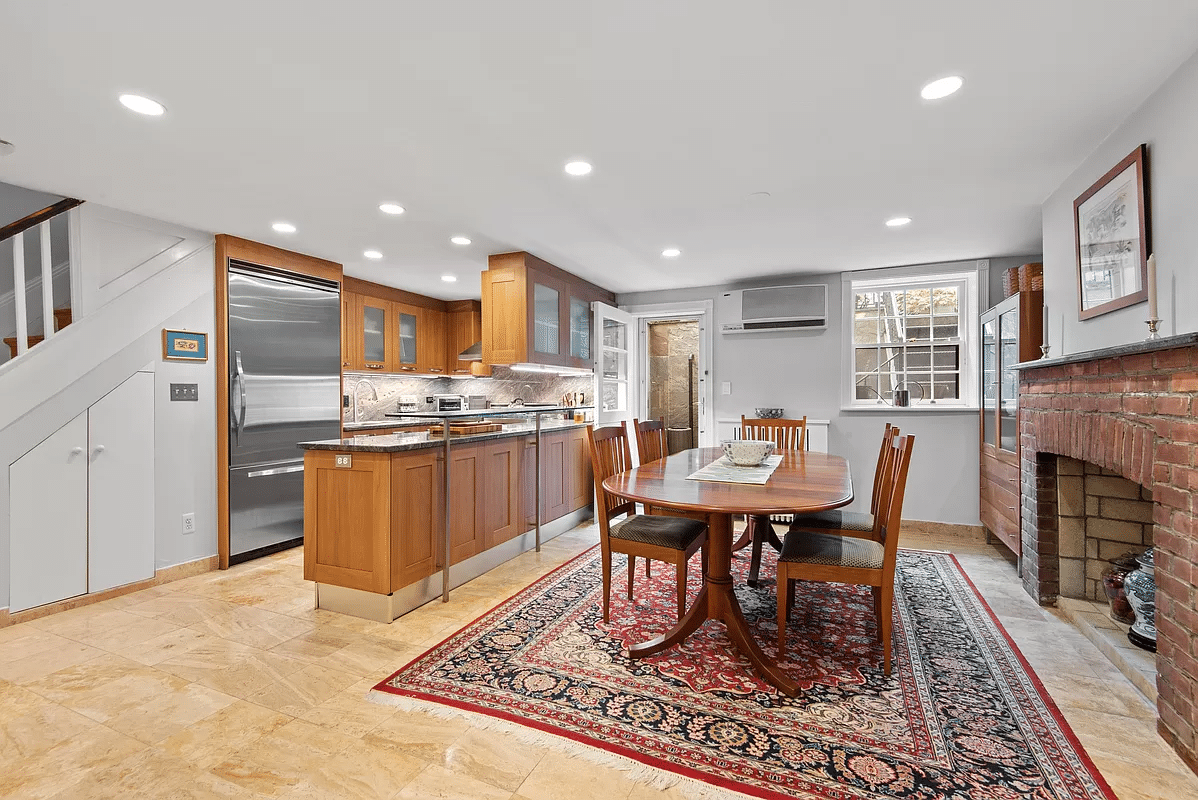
372,315
546,319
580,329
989,393
1008,379
407,340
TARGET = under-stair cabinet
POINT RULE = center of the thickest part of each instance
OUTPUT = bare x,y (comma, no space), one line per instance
82,502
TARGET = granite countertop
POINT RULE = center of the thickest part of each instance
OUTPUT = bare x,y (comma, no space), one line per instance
399,442
367,425
505,411
1145,346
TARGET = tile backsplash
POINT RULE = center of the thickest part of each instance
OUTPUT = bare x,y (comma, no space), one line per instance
504,387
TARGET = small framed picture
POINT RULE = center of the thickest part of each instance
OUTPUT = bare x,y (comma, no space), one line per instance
1111,227
184,345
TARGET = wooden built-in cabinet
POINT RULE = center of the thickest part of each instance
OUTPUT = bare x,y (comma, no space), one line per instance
1011,332
378,526
534,312
393,331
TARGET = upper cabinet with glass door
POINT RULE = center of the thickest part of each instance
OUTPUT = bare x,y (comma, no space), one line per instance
1011,334
533,312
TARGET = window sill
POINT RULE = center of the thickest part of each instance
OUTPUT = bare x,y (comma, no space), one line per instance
916,409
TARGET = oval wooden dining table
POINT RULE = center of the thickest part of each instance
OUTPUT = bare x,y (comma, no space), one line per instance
802,483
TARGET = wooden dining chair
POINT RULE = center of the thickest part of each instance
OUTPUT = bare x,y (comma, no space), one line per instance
832,558
663,538
651,439
786,434
851,523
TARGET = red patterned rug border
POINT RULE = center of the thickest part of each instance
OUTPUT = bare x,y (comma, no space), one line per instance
1049,703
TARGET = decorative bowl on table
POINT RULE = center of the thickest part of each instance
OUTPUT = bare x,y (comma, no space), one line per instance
747,452
769,413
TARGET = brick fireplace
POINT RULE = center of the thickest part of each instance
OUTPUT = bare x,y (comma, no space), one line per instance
1129,413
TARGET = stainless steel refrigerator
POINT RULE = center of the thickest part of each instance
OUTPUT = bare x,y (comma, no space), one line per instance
284,388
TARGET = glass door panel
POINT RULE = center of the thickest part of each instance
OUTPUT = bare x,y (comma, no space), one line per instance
374,334
1008,379
989,380
407,339
614,366
546,320
580,329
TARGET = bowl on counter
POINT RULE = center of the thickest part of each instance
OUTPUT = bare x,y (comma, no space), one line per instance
747,452
770,413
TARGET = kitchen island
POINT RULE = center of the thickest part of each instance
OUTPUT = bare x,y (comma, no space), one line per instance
381,534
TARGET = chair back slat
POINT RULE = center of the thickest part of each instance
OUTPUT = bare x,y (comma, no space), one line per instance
651,439
786,434
610,455
887,444
889,516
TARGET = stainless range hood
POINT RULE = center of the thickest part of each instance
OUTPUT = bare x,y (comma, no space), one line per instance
472,353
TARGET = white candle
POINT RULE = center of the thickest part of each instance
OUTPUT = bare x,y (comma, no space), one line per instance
1152,286
1044,331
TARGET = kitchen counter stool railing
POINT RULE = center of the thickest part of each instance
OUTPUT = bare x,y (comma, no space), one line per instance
446,418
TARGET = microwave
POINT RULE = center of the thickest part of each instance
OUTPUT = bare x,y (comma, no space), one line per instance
449,402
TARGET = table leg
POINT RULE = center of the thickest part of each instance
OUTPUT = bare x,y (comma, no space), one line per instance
763,531
717,600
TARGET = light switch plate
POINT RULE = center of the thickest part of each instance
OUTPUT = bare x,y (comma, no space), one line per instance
185,392
344,460
725,387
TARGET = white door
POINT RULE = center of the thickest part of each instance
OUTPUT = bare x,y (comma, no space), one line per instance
48,519
615,367
121,485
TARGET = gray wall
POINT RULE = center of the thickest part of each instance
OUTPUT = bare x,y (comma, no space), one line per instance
17,202
801,371
1168,122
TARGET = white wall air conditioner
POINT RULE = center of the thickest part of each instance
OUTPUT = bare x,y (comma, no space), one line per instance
773,308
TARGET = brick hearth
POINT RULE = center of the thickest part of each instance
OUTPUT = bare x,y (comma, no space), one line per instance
1132,414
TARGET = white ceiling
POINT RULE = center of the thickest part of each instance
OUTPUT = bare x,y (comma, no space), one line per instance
465,111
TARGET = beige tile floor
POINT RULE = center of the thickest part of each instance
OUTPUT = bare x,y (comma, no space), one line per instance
230,685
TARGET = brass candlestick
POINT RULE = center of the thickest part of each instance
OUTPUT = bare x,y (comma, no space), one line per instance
1153,324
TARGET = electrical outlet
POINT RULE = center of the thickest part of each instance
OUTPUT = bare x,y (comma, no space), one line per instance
725,387
343,460
189,522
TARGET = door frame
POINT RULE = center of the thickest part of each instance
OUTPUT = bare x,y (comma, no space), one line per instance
703,310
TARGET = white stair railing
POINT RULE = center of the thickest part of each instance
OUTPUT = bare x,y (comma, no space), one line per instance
15,233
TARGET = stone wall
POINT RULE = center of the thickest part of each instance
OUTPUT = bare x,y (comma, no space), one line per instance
1134,416
673,384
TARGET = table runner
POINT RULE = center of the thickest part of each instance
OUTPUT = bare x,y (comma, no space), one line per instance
724,471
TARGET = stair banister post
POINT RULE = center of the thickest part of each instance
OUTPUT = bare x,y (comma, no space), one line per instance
18,284
47,282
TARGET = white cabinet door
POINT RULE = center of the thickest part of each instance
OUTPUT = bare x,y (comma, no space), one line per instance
48,516
120,492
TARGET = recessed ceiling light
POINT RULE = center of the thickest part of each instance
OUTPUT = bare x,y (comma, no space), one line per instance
460,240
372,254
391,208
941,88
6,148
142,105
284,227
671,252
897,222
449,278
578,168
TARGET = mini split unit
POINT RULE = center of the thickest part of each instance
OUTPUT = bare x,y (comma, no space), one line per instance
773,308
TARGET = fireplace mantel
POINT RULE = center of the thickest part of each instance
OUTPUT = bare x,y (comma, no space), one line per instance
1146,346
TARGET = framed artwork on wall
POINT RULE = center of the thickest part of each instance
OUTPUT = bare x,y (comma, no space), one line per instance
184,345
1111,229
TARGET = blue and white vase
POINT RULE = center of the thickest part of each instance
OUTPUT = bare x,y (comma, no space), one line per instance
1140,586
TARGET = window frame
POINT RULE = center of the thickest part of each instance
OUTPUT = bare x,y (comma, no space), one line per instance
898,279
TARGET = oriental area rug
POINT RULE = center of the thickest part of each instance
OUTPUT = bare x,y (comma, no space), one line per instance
962,716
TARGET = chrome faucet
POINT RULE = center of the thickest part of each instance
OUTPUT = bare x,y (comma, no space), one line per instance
374,395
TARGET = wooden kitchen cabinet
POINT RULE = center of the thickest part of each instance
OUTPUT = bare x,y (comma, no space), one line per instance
431,342
466,501
343,507
1011,333
463,329
417,529
533,312
373,326
501,491
349,330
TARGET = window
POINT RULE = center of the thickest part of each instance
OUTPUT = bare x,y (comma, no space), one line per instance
913,332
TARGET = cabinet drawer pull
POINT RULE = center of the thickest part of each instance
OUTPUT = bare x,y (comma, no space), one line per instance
462,371
408,369
435,369
374,366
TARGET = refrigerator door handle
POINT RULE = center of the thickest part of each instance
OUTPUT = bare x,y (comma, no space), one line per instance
258,473
239,377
